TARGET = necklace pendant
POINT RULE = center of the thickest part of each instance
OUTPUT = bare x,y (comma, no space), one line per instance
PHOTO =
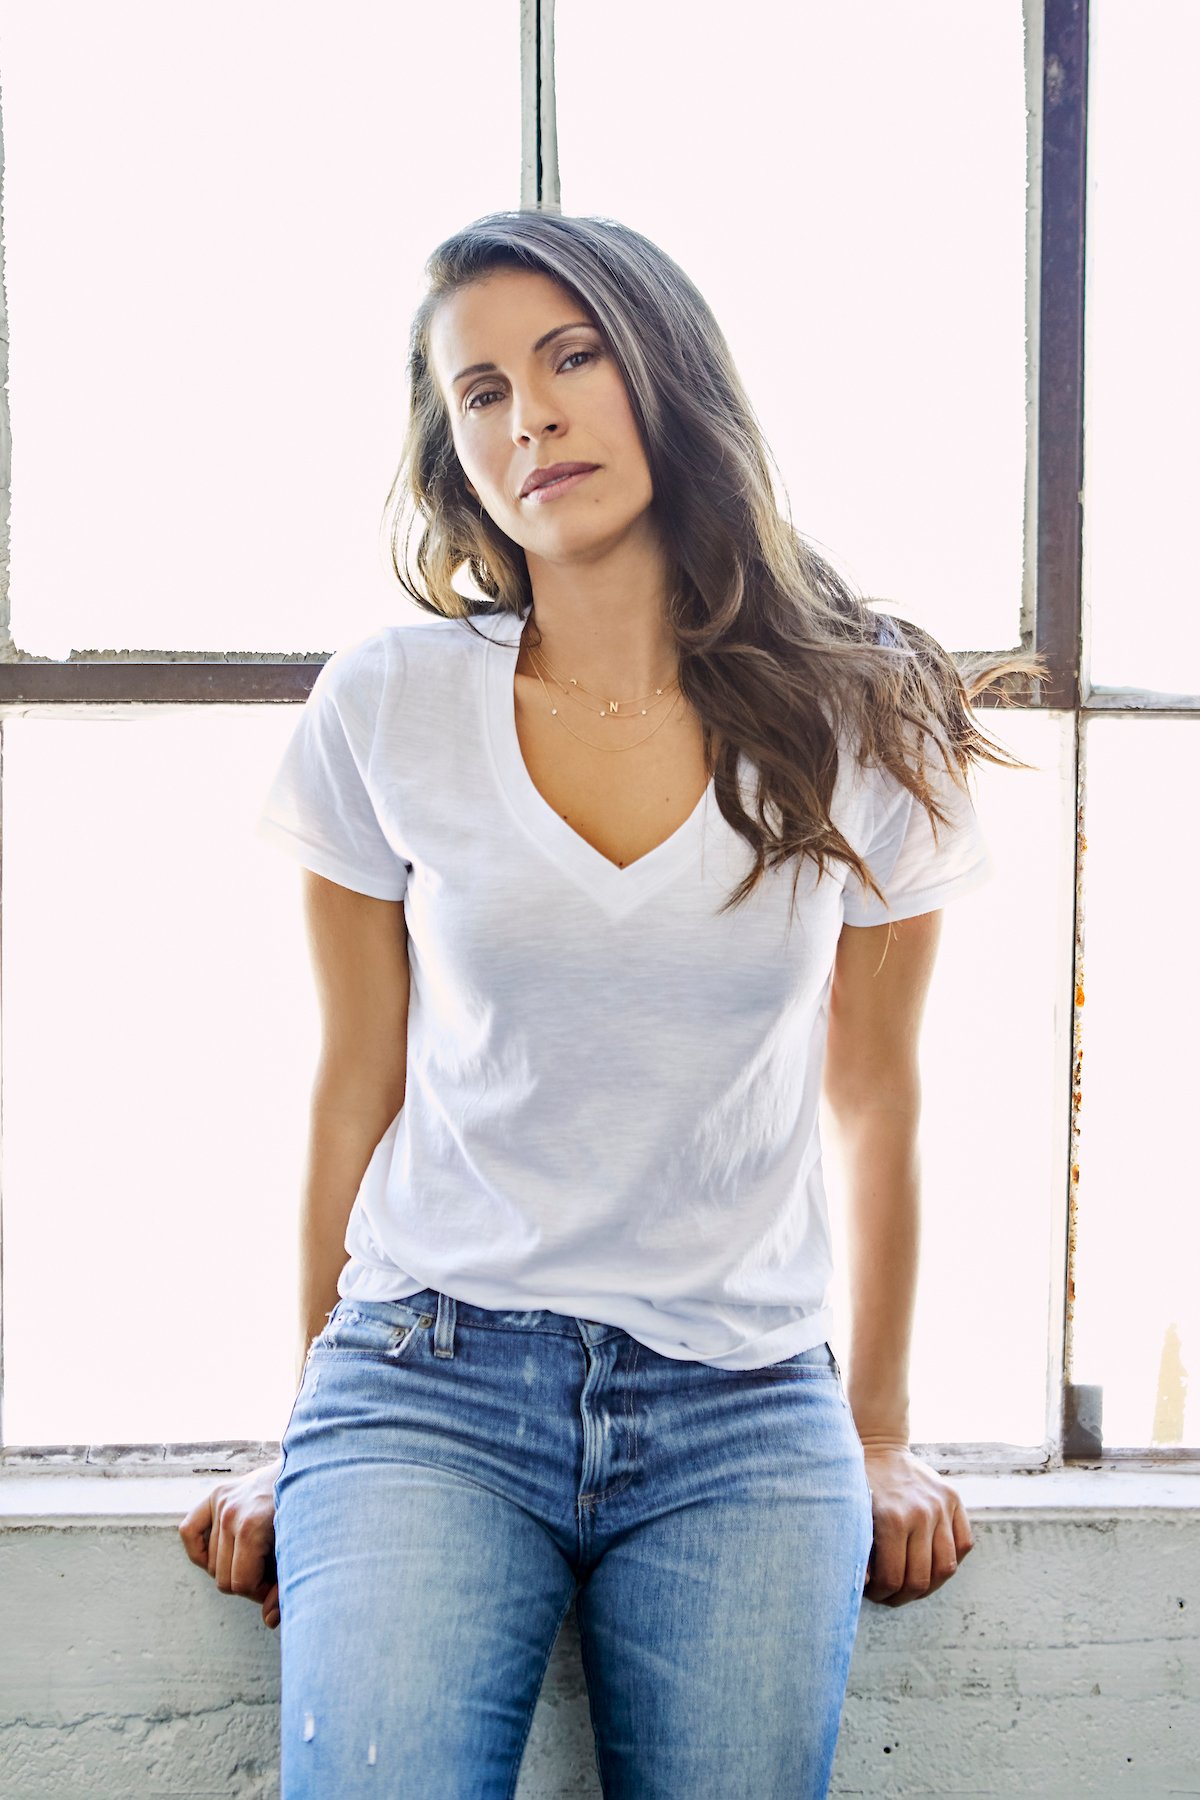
613,705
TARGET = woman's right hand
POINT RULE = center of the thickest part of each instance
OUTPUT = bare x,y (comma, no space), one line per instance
231,1534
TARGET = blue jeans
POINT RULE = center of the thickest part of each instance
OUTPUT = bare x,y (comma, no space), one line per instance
454,1477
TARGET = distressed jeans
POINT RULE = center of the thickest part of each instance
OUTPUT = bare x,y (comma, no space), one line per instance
454,1477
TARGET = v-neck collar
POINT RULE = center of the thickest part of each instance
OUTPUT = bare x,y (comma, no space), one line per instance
618,891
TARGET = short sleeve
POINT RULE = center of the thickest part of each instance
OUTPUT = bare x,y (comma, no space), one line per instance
319,807
916,874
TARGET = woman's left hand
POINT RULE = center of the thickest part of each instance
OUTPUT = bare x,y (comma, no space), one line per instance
922,1531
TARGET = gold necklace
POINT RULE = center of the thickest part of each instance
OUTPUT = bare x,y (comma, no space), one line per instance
611,706
616,748
611,709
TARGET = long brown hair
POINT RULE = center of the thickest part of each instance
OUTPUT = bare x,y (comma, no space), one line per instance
777,655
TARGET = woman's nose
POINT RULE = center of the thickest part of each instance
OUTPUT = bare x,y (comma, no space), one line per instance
533,417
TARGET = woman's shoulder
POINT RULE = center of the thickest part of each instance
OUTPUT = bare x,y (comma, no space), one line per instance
383,657
866,777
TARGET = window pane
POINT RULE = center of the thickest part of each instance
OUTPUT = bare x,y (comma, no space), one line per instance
214,225
1137,1299
992,1110
847,188
1142,458
160,1037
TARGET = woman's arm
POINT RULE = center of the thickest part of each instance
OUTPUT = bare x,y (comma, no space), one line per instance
873,1090
871,1083
359,952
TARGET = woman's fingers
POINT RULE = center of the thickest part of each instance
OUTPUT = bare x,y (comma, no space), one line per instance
231,1535
921,1529
904,1560
207,1545
194,1528
964,1538
943,1557
220,1545
889,1555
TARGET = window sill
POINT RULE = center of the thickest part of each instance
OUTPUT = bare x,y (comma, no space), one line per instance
69,1498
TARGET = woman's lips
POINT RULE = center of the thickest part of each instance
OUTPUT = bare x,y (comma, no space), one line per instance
550,490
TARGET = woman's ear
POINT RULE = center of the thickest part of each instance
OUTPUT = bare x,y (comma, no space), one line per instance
472,491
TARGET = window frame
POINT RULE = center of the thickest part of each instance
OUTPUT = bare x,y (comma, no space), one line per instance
1051,621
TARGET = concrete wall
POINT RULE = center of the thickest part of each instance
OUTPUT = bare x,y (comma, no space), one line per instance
1062,1660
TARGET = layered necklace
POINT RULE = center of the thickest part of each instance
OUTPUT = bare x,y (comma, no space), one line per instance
573,689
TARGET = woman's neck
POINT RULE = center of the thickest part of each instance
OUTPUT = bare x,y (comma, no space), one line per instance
620,651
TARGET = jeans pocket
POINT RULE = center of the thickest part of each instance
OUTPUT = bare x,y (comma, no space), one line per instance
383,1329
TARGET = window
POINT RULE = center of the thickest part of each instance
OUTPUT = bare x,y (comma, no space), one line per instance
897,215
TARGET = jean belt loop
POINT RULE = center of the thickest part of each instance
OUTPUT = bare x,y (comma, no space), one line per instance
443,1331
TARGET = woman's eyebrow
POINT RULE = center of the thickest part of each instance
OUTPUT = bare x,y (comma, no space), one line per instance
491,368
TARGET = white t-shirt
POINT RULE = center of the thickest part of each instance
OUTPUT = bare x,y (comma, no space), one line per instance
612,1092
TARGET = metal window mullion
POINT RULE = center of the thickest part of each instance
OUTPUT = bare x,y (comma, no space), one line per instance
1141,700
1058,610
539,126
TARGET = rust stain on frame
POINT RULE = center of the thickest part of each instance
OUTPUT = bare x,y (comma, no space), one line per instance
1076,1068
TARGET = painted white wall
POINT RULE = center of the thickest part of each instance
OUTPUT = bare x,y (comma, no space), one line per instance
1063,1660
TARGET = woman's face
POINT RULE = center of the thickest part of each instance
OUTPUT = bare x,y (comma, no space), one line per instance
562,400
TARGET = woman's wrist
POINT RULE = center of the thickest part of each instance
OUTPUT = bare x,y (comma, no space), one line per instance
880,1420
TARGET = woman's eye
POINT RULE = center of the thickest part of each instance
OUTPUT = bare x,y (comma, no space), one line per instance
487,393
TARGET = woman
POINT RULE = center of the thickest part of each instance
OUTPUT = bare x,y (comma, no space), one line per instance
609,875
